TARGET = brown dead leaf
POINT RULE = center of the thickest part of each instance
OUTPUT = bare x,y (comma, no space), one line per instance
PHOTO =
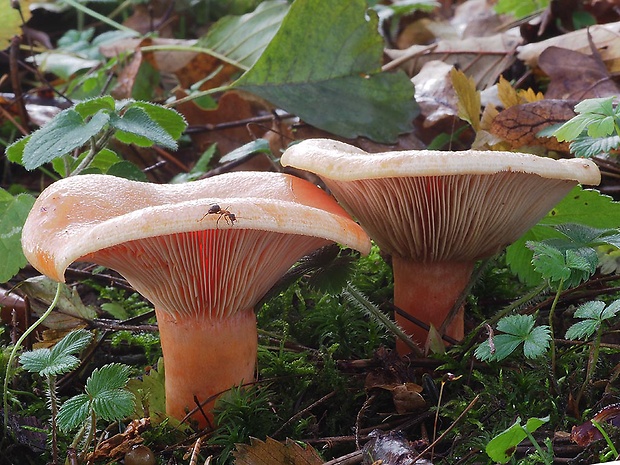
272,452
520,124
118,445
127,77
407,397
575,75
604,37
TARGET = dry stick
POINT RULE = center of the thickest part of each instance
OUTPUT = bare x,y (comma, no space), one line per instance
454,423
302,412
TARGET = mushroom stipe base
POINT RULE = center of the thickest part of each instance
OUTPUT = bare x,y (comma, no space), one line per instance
220,350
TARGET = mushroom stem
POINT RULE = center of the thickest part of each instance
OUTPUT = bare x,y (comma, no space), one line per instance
204,357
428,291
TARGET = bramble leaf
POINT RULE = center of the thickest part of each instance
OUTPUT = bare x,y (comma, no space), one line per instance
66,132
136,127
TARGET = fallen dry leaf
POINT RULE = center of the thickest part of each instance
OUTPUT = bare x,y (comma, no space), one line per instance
604,37
118,445
575,75
482,58
272,452
434,92
520,124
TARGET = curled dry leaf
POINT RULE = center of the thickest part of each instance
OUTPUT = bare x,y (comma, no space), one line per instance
586,433
118,445
435,93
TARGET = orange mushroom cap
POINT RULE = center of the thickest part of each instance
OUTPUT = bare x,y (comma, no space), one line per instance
203,253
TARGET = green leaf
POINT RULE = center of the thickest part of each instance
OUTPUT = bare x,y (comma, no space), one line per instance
107,378
503,446
537,342
110,399
66,132
73,343
135,126
582,206
587,147
594,313
518,329
243,38
91,106
149,391
13,214
324,65
74,412
15,151
58,359
170,120
256,146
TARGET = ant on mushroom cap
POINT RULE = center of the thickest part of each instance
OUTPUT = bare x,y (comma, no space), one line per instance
215,209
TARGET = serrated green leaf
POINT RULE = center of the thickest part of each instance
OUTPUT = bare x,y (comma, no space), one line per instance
13,214
91,106
582,206
136,127
243,38
72,343
318,62
572,128
518,325
505,344
58,359
66,132
35,361
150,393
537,342
587,147
74,412
611,310
591,309
116,404
601,105
549,262
170,120
107,378
582,329
602,127
15,151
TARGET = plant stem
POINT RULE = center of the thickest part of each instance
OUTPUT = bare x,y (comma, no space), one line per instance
552,334
534,442
16,347
78,6
51,384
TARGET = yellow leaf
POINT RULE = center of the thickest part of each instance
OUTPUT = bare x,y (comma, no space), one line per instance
529,96
507,94
11,21
468,98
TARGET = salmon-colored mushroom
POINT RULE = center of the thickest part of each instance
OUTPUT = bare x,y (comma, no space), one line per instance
437,213
203,253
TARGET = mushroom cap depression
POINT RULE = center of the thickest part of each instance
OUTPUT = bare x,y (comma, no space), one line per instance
435,206
183,257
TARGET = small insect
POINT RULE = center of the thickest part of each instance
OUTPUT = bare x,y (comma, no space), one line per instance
215,209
